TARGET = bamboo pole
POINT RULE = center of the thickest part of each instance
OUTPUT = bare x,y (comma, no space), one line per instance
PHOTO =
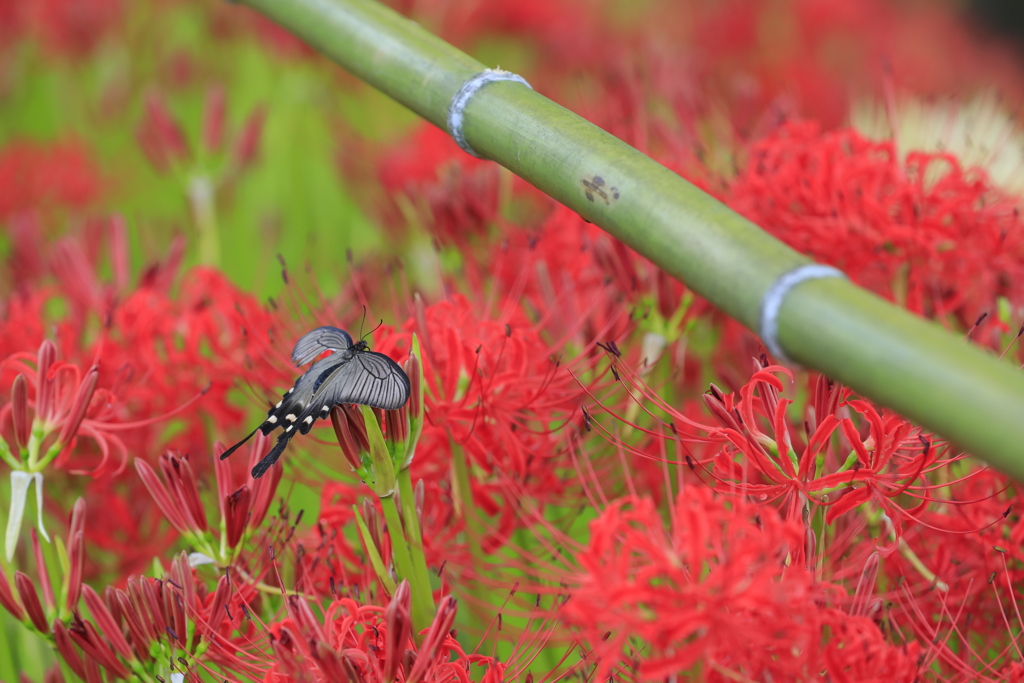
881,351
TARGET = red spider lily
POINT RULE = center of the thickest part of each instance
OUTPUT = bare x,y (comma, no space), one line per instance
176,340
565,271
41,177
67,403
715,595
431,180
164,142
159,626
242,509
759,55
857,650
712,591
968,543
492,382
494,392
373,644
74,29
355,642
839,464
890,226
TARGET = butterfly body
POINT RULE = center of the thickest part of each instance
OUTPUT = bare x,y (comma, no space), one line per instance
350,374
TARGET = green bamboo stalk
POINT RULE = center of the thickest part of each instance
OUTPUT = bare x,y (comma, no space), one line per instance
879,350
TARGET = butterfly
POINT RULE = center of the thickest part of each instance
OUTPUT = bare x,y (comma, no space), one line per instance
351,374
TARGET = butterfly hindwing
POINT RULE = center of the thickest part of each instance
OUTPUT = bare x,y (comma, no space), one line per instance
275,453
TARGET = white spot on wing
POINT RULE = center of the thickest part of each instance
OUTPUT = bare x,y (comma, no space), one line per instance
290,417
272,419
309,419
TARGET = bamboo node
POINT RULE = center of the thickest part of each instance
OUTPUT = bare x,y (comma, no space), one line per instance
775,296
457,108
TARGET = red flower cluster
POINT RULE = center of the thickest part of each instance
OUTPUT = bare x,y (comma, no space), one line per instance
40,177
936,238
716,594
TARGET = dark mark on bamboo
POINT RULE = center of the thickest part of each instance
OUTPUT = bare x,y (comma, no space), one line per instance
594,186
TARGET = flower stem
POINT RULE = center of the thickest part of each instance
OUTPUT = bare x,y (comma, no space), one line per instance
371,551
422,602
201,200
878,516
414,537
464,502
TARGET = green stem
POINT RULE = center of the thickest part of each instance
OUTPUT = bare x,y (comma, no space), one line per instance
881,351
464,506
8,457
414,537
201,193
422,602
51,453
876,517
464,503
35,442
371,551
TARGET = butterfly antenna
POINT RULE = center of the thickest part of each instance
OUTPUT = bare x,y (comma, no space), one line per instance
362,321
373,330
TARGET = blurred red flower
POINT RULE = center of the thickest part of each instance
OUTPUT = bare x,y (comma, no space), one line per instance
37,176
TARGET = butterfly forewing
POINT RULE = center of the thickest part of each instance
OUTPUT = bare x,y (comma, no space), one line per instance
312,344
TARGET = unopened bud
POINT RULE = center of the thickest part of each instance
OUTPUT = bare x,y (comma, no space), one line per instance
396,423
373,524
165,129
236,508
349,448
716,406
47,356
213,119
399,628
7,599
30,599
357,425
19,412
414,370
247,146
79,407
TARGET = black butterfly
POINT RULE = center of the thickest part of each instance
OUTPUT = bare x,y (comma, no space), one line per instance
352,374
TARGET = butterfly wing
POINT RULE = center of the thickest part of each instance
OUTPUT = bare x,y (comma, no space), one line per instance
369,378
293,405
270,458
354,375
312,344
